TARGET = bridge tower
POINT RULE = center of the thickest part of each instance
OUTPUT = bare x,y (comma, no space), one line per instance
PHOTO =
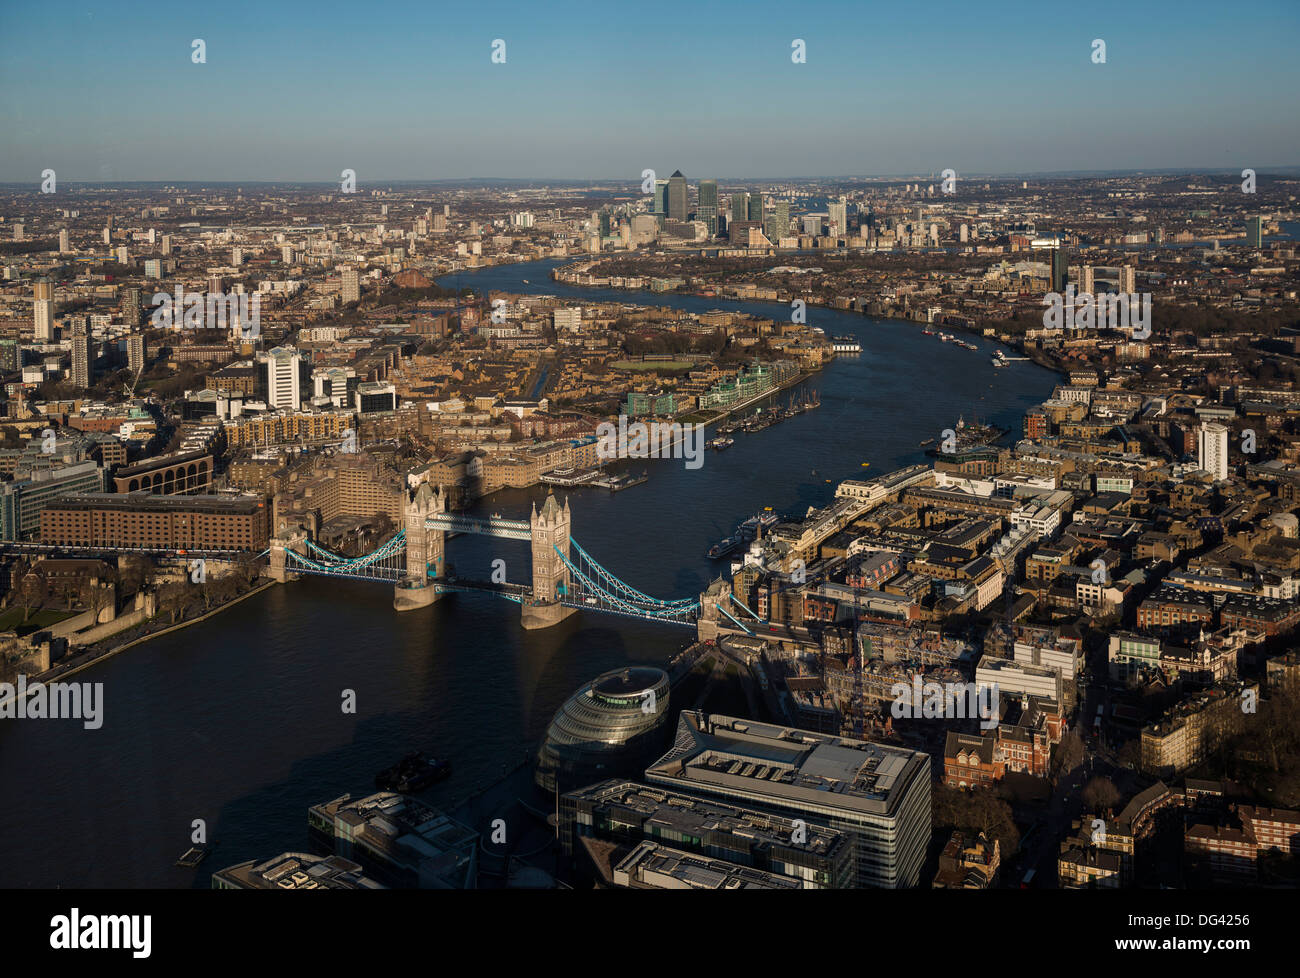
709,624
290,538
550,532
425,551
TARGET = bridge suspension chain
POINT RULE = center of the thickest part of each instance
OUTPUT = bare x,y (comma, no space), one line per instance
627,589
658,610
391,547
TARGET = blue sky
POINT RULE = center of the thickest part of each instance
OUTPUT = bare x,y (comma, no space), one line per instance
300,91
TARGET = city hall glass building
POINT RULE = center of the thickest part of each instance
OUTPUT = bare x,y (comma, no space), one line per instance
612,727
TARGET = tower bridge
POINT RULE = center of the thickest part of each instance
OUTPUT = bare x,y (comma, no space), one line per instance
565,577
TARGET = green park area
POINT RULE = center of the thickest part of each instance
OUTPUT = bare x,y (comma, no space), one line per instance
12,619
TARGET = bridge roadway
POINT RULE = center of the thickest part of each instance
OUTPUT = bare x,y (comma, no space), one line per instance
455,523
511,592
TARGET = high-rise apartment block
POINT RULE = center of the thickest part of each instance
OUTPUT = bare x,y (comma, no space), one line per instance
1212,449
1060,266
81,366
43,312
1255,232
839,214
129,306
351,290
286,378
135,352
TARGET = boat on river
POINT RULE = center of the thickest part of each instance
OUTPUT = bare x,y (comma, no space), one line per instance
414,772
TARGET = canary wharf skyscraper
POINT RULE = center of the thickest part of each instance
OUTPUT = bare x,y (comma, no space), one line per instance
677,197
707,209
740,206
777,226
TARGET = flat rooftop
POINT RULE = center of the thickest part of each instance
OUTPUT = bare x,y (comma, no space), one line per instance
788,764
654,866
162,461
299,871
135,501
663,808
391,820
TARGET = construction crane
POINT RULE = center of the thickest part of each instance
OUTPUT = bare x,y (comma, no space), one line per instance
130,391
1010,591
859,706
859,653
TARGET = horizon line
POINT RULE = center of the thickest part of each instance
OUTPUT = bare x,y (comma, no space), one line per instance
1291,169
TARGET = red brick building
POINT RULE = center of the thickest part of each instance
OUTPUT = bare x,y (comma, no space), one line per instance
145,521
970,761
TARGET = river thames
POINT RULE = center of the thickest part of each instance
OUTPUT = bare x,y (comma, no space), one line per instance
238,722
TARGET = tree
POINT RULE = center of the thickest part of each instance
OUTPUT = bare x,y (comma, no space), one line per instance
101,593
976,811
1130,755
173,600
28,599
1100,794
246,574
207,593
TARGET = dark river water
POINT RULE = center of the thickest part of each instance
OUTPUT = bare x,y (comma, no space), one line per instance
238,722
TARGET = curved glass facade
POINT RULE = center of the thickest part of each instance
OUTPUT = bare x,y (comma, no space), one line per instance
612,727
